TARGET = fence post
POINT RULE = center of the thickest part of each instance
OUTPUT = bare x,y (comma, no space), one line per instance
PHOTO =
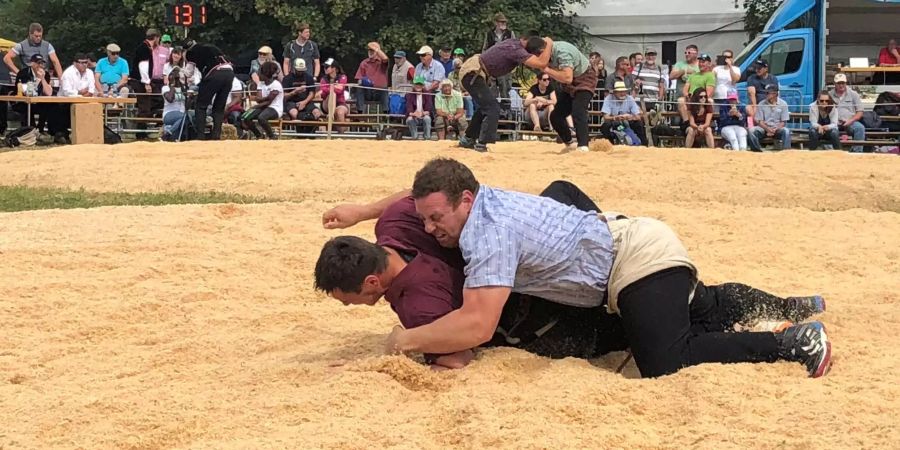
332,100
647,132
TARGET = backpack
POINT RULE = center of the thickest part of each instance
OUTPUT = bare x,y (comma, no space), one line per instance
111,137
398,104
24,136
887,104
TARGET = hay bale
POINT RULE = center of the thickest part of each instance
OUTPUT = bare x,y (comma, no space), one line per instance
601,145
229,132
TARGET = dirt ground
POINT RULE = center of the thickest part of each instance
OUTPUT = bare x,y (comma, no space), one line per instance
197,326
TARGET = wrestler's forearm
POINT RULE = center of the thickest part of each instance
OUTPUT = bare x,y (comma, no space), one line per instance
455,332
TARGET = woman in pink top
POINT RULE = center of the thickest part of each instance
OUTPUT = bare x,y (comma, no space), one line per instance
334,79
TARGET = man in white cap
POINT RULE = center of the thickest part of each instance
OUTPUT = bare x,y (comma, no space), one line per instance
300,93
111,73
850,111
432,72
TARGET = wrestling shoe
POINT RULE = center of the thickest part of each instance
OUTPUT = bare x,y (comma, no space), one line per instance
807,344
571,145
465,142
479,147
799,309
583,149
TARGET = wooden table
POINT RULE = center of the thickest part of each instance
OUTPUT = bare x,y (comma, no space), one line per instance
87,121
872,70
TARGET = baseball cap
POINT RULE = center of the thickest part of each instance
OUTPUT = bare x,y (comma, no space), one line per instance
37,58
425,50
328,62
732,95
113,48
152,33
166,38
419,80
459,51
761,63
704,57
649,51
772,88
265,49
399,54
840,78
620,87
299,64
446,82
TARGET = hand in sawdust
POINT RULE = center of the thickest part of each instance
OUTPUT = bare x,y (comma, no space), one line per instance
390,346
342,216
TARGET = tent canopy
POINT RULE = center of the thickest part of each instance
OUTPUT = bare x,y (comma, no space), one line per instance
6,44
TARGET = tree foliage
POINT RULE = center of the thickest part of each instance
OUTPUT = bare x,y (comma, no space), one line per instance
758,14
341,27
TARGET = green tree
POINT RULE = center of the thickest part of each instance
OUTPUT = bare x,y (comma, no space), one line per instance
758,14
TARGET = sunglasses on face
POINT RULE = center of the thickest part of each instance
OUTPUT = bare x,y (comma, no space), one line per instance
690,52
702,97
81,62
113,53
545,79
824,100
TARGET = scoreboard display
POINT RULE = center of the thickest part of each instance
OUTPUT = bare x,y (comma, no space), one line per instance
186,14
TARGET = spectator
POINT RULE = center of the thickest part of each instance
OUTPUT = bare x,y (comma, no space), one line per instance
140,80
32,45
77,80
190,77
303,48
635,59
418,107
499,33
621,112
823,122
540,101
727,76
428,69
34,80
403,73
850,111
456,79
683,69
235,107
174,93
700,116
269,102
372,73
704,79
300,93
112,73
160,57
649,81
459,54
772,115
334,81
620,74
264,55
449,111
733,122
446,59
756,86
596,61
888,57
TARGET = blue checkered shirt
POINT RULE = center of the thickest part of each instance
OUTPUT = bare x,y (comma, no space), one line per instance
536,246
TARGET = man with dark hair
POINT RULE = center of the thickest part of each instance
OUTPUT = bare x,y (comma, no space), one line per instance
32,45
215,86
140,81
500,59
304,48
577,79
635,267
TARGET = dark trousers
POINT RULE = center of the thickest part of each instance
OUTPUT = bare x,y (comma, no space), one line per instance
636,125
364,95
487,111
569,194
577,107
832,136
666,333
261,116
215,88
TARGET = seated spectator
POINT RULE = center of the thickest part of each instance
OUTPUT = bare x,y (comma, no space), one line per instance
888,57
372,73
733,122
539,101
190,77
403,73
622,73
649,81
727,76
235,107
264,55
700,119
823,122
850,111
756,86
772,115
446,59
621,114
449,111
334,81
269,102
300,93
77,80
703,79
454,77
418,109
112,73
432,71
34,81
174,93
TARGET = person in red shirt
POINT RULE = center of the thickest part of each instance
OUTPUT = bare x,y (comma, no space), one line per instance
889,57
372,73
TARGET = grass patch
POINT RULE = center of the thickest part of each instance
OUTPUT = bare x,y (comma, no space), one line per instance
27,198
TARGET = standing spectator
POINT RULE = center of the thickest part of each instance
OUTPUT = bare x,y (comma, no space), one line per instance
269,102
704,79
577,81
700,117
634,59
263,55
620,111
429,69
599,66
756,86
300,93
727,76
733,122
334,81
34,44
372,73
446,60
539,101
190,77
683,69
596,60
418,109
621,73
449,111
850,111
112,73
499,33
166,41
403,73
823,122
174,93
77,80
217,80
160,57
649,81
140,82
772,115
304,48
